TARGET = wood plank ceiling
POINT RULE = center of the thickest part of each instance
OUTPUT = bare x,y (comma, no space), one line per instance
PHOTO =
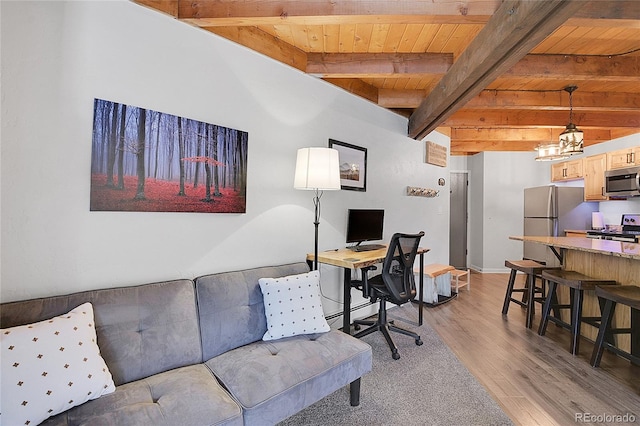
489,73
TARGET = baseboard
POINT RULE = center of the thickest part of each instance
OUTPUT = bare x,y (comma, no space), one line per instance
489,270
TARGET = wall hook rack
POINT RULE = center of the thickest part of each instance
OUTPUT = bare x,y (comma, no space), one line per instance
422,192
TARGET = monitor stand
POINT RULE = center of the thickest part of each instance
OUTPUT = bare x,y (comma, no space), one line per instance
366,247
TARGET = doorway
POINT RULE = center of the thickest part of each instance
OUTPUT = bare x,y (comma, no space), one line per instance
458,218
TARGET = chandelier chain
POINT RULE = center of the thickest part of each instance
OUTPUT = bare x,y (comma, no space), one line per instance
571,107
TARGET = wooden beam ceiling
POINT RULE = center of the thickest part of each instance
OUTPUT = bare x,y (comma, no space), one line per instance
260,12
489,73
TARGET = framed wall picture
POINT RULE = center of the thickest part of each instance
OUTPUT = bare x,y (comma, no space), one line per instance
150,161
353,165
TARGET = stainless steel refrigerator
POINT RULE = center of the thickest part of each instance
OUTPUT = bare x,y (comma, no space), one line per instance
549,211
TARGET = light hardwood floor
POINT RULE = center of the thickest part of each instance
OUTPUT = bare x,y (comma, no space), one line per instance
534,378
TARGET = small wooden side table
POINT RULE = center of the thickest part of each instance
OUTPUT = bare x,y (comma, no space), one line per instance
457,274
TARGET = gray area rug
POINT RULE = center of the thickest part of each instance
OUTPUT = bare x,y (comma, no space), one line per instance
427,386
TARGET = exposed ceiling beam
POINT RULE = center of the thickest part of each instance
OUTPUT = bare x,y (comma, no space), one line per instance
401,98
255,12
359,65
264,43
337,20
563,67
523,134
577,67
170,7
473,147
512,32
621,133
536,118
555,101
610,9
357,87
311,12
542,100
472,141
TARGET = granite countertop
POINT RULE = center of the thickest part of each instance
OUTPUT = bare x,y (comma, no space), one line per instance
605,247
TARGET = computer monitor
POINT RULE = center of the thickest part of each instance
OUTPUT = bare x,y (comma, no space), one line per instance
364,225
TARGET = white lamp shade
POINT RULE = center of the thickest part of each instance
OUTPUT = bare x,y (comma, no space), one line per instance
317,168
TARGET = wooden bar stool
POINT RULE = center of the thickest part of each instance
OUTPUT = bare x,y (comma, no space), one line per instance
532,269
577,284
627,295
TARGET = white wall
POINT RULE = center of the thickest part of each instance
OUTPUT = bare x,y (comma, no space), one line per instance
58,56
496,184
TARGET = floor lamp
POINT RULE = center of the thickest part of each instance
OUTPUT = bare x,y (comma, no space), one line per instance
317,169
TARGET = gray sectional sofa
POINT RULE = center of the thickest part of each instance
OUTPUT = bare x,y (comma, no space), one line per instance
190,352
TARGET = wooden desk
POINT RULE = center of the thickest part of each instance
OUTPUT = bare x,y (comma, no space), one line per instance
349,259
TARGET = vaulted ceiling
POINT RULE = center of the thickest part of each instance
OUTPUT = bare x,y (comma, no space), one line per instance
489,73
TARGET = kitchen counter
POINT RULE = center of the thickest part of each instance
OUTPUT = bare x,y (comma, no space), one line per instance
604,247
603,259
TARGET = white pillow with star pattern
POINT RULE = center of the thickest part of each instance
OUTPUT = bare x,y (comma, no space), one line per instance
293,305
51,366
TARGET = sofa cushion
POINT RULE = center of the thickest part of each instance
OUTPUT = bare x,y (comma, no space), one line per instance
293,305
142,330
231,307
272,380
51,366
184,396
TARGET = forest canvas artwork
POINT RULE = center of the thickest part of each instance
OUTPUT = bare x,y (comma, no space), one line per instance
149,161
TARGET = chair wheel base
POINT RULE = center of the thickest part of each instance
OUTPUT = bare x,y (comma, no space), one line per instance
356,327
419,342
395,355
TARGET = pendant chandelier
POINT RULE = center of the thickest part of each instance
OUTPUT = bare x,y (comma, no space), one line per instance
550,152
572,139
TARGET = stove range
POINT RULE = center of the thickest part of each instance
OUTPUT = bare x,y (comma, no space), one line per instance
630,231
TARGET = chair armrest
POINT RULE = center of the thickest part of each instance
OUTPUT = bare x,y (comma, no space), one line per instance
364,283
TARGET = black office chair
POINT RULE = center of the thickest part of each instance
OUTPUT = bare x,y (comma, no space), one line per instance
396,284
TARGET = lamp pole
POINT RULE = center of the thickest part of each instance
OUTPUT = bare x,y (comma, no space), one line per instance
316,222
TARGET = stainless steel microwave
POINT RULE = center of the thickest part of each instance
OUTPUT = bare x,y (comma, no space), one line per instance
622,182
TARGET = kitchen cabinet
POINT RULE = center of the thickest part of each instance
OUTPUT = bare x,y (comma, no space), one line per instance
594,167
623,158
567,170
